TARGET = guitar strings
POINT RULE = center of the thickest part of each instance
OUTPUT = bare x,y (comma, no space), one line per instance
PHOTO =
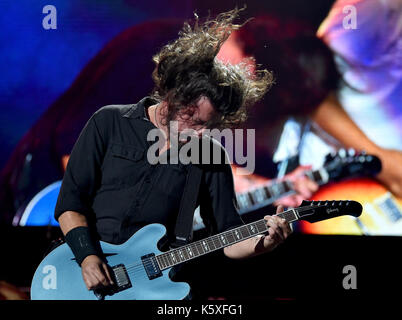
214,237
140,265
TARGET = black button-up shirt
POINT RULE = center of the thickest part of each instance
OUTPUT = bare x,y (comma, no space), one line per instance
110,181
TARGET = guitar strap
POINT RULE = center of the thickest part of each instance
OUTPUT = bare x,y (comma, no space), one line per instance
184,223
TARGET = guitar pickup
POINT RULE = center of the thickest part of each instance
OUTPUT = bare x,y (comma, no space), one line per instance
151,266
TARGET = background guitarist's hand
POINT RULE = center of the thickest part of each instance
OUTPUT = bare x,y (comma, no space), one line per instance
95,273
303,186
391,173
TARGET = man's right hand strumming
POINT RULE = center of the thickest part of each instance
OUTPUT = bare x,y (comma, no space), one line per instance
95,273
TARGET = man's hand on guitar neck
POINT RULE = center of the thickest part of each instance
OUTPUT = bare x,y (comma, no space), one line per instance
278,231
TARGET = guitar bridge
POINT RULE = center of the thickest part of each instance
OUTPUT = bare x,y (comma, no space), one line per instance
121,282
121,278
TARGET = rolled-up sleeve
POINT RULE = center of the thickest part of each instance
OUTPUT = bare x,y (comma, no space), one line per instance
83,172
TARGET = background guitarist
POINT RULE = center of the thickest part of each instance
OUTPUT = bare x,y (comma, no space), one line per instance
110,190
359,112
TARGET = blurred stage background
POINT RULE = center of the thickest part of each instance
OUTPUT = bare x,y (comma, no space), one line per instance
49,75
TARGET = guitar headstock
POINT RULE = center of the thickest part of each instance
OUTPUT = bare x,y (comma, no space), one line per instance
349,163
314,211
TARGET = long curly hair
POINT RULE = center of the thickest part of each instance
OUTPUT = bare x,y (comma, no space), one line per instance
187,69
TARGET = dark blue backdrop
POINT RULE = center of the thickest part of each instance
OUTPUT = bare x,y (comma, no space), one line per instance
37,65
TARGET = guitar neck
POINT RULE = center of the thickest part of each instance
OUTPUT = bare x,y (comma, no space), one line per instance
196,249
270,192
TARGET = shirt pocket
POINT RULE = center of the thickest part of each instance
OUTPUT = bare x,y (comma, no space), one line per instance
125,165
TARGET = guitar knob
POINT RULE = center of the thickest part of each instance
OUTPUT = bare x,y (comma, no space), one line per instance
99,295
351,152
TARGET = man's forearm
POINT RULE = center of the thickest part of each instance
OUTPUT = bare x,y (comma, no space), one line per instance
78,238
70,220
332,118
245,249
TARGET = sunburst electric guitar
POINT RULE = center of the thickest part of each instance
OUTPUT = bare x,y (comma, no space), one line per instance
141,272
382,211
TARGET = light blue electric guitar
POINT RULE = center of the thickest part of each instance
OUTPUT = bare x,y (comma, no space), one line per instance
141,272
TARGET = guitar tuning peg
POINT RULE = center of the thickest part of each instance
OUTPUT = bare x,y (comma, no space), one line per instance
342,153
362,158
330,156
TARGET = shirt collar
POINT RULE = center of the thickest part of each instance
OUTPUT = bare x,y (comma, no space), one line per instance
138,110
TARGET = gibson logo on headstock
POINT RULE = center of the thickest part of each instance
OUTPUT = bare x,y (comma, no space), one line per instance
329,211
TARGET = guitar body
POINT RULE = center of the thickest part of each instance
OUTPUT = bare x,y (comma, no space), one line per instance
382,211
141,272
59,277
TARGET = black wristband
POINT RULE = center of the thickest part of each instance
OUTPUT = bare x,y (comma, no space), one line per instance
80,241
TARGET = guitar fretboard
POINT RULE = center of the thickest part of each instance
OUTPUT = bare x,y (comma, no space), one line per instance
270,192
219,241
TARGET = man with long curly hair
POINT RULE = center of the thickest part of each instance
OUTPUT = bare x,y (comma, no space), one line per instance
110,190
